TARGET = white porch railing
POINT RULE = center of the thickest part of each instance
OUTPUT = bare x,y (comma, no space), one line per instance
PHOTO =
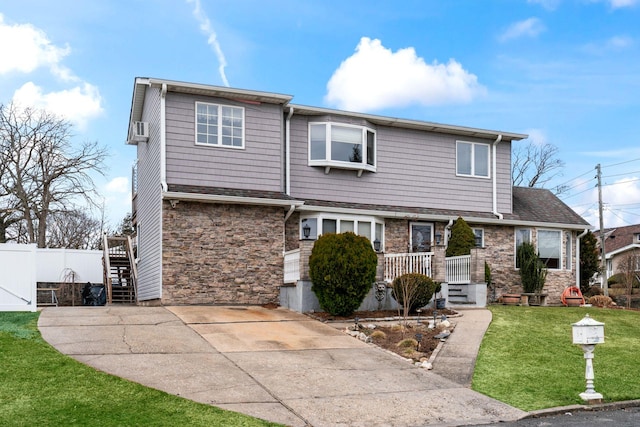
398,264
292,266
458,269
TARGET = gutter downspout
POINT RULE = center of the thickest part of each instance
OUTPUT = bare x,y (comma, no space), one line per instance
446,232
495,178
578,237
163,139
287,154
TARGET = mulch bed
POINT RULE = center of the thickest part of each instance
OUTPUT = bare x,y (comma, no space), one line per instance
396,331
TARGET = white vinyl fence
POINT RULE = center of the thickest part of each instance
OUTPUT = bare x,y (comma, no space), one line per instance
23,266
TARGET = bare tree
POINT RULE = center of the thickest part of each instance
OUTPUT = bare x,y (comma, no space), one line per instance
43,173
629,268
73,230
534,165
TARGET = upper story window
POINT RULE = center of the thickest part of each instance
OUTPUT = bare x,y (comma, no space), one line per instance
342,146
472,159
219,125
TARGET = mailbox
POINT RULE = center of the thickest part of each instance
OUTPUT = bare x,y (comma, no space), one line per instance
588,331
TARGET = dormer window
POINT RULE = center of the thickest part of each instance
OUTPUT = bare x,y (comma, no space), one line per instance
342,146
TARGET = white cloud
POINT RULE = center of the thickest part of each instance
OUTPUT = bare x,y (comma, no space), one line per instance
528,28
78,104
537,137
613,44
374,78
119,184
616,195
547,4
207,29
24,48
617,4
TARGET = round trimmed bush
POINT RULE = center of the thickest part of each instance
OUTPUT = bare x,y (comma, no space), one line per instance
419,287
342,269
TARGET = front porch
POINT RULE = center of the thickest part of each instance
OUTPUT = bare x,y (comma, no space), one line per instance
461,278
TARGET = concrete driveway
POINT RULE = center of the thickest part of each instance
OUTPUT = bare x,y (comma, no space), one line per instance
273,364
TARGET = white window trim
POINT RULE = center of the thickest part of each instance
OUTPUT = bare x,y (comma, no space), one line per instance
219,144
431,238
355,218
328,163
482,239
473,155
560,244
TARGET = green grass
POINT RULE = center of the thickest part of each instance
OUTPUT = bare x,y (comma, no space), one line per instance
527,358
39,386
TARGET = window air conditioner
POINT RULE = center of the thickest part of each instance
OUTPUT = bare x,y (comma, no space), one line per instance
141,130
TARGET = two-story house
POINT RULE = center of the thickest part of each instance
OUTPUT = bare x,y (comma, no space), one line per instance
230,185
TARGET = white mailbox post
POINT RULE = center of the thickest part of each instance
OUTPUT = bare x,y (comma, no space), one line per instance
587,333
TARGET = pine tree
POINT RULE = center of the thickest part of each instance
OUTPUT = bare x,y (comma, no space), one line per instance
589,263
462,239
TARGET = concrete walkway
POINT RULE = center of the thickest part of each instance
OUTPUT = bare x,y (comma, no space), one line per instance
274,364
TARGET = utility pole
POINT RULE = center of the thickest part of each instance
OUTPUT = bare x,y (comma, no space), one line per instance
603,253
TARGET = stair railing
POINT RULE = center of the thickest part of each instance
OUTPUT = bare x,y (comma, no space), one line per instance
134,267
106,264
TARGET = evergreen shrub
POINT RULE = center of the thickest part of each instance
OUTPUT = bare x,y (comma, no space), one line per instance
419,287
342,268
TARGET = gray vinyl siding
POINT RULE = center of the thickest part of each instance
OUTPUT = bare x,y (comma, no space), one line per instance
149,212
414,168
259,166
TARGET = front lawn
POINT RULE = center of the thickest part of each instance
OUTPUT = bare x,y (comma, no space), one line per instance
527,358
42,387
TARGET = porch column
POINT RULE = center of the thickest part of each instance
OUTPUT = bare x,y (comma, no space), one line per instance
477,265
306,246
438,263
380,267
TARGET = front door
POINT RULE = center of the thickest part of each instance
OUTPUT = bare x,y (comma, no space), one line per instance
421,236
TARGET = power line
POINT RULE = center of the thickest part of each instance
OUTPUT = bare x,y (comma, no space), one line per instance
623,182
621,163
573,179
621,174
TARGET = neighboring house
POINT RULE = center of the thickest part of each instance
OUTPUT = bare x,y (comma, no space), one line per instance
618,244
230,185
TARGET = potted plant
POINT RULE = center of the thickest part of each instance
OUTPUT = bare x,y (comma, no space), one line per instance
439,301
533,274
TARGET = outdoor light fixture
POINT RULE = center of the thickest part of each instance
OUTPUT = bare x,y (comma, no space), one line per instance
306,231
438,238
376,245
418,338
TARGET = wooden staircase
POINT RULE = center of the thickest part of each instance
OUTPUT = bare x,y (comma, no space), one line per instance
119,270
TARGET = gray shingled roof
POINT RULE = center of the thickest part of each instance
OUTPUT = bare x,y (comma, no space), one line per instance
541,205
532,205
620,237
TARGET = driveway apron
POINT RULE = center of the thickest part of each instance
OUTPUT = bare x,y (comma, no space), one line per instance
273,364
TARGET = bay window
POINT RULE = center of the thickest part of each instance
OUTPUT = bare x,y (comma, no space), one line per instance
342,146
317,225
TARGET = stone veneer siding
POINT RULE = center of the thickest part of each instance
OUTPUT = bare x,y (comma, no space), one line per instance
222,254
499,253
292,232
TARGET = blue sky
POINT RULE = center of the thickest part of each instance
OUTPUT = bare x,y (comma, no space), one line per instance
566,72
